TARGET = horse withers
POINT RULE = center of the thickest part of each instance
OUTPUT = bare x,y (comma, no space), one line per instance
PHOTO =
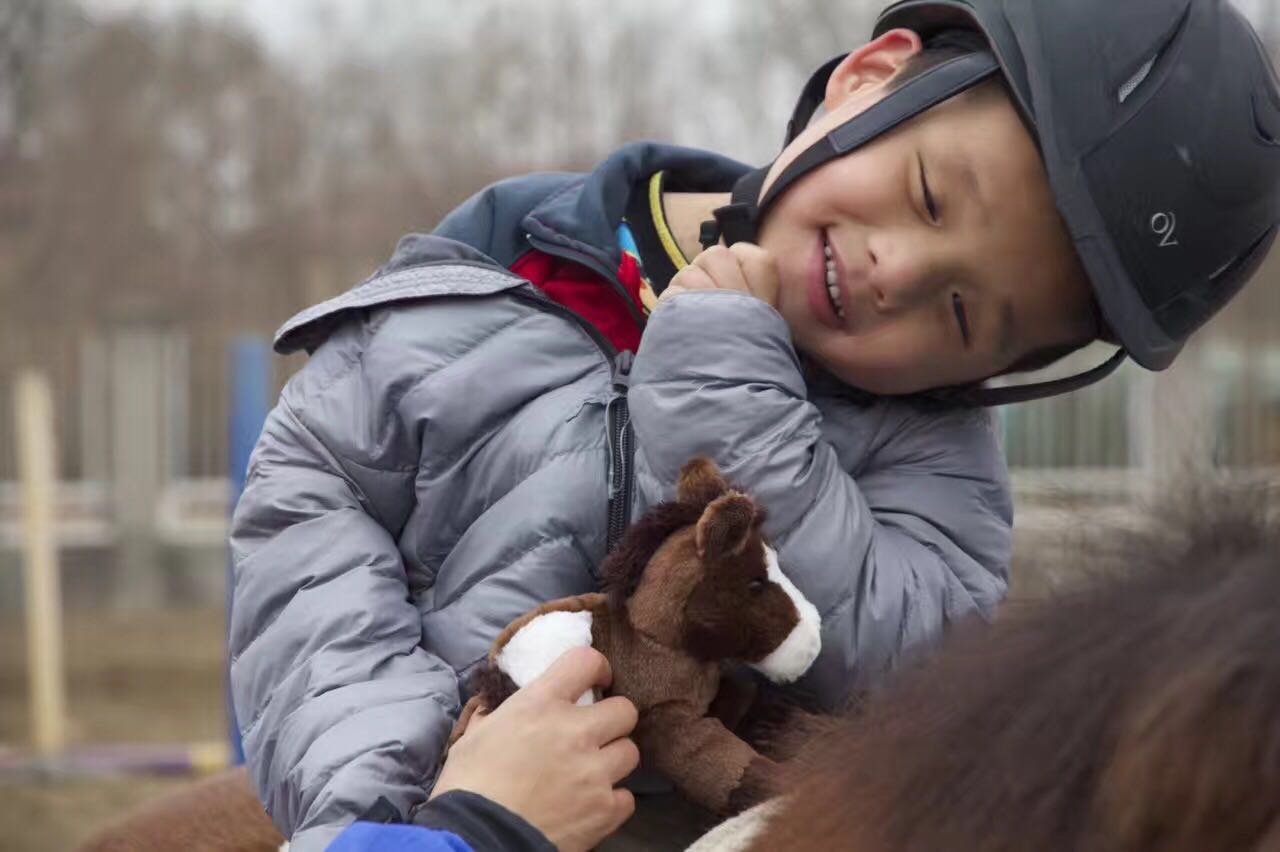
1139,712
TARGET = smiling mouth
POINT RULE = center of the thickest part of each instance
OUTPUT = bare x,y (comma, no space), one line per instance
833,279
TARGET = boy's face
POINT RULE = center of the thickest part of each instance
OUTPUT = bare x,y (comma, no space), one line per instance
952,261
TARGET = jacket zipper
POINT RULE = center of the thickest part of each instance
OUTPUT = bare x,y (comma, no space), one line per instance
617,411
621,453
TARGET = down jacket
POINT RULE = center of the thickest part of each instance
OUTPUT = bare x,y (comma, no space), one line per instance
459,449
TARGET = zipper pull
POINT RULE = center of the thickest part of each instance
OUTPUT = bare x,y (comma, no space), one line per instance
622,363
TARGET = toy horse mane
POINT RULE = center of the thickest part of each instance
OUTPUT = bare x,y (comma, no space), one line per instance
621,571
700,483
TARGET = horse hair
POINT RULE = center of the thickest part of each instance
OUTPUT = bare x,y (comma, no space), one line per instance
1140,711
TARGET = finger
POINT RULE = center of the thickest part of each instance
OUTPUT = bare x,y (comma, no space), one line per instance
576,671
620,758
692,278
608,720
624,806
723,267
759,269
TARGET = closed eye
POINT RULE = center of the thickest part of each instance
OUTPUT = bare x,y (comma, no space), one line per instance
930,204
962,317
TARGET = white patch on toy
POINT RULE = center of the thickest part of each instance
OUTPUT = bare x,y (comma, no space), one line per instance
797,652
541,642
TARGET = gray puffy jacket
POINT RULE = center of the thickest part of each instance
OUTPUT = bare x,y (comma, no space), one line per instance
445,460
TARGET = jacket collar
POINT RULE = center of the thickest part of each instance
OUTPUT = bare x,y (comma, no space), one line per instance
584,215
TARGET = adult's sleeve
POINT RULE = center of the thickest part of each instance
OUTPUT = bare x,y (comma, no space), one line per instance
458,821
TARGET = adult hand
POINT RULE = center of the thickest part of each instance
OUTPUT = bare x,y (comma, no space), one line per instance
744,267
550,761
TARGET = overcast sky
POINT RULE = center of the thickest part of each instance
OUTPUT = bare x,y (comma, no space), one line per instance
308,31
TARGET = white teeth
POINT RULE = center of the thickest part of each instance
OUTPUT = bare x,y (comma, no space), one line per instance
833,282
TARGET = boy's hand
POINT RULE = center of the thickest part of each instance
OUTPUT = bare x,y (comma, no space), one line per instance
744,267
550,761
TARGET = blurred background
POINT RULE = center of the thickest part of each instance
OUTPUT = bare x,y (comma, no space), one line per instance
178,177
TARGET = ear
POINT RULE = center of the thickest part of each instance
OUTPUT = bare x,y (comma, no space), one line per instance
700,482
725,526
871,65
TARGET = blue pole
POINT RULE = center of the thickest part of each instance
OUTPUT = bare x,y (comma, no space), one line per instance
250,397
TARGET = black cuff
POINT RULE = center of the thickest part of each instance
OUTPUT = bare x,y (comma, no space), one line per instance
485,825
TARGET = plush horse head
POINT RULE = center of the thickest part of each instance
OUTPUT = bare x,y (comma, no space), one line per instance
692,584
697,574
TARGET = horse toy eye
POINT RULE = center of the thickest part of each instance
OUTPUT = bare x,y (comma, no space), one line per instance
755,587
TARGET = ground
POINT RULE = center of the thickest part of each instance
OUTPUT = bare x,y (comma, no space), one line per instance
135,677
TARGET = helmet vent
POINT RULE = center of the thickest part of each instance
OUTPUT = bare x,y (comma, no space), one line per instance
1161,48
1137,79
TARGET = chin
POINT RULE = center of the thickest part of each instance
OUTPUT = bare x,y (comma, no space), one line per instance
871,380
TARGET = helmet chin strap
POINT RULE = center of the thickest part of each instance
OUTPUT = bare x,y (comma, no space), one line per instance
740,220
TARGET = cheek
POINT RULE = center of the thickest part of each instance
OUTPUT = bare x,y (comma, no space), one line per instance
900,358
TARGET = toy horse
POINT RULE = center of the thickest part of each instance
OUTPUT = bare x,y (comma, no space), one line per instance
691,586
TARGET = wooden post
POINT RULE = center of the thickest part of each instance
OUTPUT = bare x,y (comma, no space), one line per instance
37,468
137,460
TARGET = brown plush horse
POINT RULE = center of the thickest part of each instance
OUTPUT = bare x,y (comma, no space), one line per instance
691,586
1139,713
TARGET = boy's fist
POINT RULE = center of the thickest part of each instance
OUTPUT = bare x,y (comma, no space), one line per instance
744,267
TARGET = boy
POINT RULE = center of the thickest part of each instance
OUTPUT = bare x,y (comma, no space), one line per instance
471,433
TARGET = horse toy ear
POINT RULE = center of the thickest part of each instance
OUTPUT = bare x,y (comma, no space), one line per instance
725,527
700,482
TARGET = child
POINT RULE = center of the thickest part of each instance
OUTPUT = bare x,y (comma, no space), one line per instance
472,434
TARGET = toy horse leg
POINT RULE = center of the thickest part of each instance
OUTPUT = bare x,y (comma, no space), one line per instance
704,759
766,718
735,697
777,726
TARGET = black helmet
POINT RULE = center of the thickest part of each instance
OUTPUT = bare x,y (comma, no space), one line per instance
1159,125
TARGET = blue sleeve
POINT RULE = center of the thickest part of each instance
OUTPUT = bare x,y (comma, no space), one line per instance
373,837
458,821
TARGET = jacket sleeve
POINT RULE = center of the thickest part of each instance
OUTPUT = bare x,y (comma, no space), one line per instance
893,521
458,821
336,700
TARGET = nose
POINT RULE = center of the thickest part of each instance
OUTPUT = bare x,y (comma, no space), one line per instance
899,277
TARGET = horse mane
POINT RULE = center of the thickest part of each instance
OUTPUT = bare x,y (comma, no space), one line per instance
621,570
1138,712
